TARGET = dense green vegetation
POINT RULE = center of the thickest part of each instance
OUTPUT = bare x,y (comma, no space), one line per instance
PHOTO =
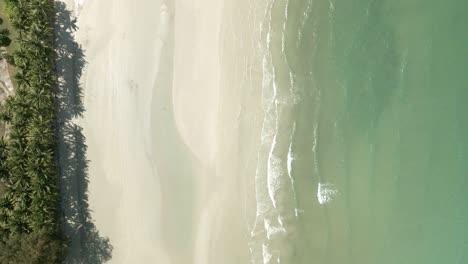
28,207
4,37
12,35
27,248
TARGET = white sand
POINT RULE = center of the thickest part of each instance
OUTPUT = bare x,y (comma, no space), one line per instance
163,151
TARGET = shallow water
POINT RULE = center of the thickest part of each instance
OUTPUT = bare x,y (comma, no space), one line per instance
363,143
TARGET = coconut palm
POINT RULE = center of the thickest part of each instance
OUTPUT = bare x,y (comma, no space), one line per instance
27,156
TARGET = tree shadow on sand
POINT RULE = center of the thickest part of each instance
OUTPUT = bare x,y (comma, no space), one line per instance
85,245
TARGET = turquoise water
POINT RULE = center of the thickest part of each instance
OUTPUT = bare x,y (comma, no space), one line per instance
364,141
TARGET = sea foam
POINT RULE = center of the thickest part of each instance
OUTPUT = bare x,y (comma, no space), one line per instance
274,179
326,192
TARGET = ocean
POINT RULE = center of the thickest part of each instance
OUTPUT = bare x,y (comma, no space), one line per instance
364,147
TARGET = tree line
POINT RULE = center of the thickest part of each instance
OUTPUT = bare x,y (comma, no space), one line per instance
29,226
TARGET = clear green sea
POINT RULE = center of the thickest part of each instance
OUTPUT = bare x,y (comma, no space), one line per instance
364,154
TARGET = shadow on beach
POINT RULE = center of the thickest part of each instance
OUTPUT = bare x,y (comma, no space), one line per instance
85,245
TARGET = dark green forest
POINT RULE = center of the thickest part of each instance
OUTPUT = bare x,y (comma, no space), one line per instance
29,203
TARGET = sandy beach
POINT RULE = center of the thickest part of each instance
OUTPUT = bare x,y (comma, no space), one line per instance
240,131
162,131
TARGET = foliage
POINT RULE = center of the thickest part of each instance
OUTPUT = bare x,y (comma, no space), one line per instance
4,39
28,208
33,248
